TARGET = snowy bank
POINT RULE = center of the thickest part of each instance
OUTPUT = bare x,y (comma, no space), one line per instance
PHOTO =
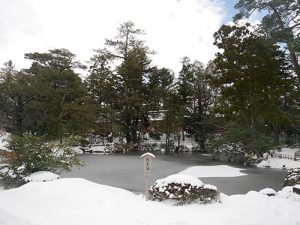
78,201
279,163
213,171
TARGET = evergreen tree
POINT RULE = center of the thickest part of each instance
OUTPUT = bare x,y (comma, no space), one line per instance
185,91
102,86
15,96
133,65
282,23
160,83
253,77
196,97
61,106
172,122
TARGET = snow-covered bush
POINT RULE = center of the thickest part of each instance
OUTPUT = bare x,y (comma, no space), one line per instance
252,160
149,147
292,178
184,189
268,192
30,154
41,176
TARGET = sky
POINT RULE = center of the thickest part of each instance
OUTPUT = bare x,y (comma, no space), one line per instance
173,28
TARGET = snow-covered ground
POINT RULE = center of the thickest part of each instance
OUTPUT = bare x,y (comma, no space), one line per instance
78,201
280,163
213,171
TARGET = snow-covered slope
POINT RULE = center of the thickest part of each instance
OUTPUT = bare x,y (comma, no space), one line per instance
78,201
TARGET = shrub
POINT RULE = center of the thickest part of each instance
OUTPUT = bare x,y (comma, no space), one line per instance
268,192
155,135
183,189
30,154
292,177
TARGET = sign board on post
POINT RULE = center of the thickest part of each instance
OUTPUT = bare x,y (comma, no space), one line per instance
147,170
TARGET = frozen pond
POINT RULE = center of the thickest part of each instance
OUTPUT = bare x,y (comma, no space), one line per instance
126,171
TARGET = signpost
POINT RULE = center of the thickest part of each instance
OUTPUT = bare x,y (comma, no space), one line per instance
147,170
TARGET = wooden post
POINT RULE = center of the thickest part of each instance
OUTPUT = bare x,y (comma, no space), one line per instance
147,170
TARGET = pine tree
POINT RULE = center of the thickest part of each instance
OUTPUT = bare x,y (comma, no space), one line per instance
15,96
196,98
61,106
281,22
133,64
102,86
253,77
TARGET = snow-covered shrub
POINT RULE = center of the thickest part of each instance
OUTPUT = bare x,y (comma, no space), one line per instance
183,189
155,135
230,152
292,178
183,148
168,148
30,154
268,192
41,176
122,147
252,160
149,147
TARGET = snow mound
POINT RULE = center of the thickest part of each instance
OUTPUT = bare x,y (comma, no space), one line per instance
42,176
268,191
287,192
213,171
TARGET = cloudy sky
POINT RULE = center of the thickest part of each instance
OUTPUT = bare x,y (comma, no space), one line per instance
174,28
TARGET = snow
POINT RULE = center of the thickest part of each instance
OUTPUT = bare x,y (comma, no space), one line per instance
213,171
42,176
209,186
9,219
148,154
287,192
179,179
288,151
279,163
78,201
268,191
3,140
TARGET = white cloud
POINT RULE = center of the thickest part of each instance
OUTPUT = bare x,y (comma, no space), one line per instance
173,28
